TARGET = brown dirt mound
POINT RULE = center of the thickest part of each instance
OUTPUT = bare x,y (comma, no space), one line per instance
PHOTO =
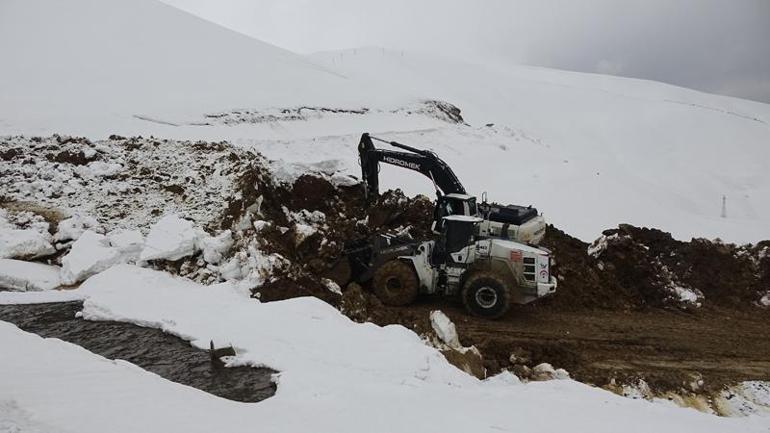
638,266
345,216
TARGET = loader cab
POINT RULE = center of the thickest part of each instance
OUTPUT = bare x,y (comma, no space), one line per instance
451,205
459,231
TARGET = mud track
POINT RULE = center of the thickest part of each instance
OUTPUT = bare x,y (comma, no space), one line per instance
670,350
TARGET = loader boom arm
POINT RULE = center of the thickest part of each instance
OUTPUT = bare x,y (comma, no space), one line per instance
422,161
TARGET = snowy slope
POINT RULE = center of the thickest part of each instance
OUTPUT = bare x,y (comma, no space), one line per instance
66,64
601,149
335,375
590,151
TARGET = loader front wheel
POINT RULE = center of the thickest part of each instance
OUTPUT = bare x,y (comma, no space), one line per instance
486,294
395,283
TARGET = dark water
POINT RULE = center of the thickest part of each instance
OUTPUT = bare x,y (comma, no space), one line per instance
152,349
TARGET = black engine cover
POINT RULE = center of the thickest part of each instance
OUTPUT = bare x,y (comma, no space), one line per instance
511,214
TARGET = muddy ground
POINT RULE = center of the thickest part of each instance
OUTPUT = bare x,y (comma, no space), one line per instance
670,350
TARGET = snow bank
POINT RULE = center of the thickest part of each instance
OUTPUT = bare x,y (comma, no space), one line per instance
171,238
40,297
24,244
333,374
24,276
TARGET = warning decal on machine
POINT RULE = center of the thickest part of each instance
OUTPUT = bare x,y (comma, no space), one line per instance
515,256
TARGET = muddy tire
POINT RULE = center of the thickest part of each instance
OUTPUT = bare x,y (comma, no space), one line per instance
395,283
486,294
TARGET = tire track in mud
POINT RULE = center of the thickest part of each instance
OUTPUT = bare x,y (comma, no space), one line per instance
670,350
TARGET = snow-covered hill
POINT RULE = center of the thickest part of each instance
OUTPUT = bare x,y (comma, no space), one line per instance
594,150
99,63
590,151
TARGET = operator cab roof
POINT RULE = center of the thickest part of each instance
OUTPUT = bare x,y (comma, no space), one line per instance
463,218
459,196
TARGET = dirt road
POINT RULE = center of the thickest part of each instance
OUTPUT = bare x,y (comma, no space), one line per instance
669,349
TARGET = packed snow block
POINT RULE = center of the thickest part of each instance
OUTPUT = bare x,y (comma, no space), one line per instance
545,371
445,329
467,359
129,243
88,256
764,301
74,226
24,244
171,238
214,247
27,276
99,169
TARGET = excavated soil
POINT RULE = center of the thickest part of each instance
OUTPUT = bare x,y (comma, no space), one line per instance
618,315
170,357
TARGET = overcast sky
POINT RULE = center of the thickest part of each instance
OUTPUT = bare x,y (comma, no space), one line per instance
720,46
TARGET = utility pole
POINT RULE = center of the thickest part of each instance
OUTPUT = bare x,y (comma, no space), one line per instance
724,206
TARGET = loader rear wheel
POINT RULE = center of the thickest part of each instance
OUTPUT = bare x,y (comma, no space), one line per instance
395,283
486,294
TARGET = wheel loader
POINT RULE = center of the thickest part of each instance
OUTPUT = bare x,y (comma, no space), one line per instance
480,254
488,274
